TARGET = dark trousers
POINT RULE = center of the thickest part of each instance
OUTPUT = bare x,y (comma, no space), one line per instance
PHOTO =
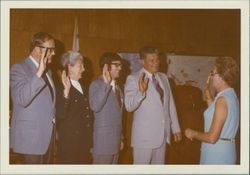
47,158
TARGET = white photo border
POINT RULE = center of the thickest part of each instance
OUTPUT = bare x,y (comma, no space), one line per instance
243,168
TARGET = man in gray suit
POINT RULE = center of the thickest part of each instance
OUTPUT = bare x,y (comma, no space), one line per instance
106,101
148,95
33,97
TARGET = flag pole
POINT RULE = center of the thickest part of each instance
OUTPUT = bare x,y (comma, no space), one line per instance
75,44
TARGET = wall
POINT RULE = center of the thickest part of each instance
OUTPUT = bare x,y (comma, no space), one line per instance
184,32
192,32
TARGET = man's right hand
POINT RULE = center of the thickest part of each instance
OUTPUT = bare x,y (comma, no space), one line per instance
42,63
106,74
143,83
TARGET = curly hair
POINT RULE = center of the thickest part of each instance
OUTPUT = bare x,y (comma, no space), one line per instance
228,70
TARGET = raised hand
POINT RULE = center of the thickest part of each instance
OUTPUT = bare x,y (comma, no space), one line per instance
208,95
106,74
66,84
42,63
143,83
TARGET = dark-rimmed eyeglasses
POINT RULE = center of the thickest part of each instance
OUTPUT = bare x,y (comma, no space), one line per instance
213,74
50,49
117,64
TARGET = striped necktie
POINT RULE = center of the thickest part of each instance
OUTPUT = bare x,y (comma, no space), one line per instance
158,87
118,95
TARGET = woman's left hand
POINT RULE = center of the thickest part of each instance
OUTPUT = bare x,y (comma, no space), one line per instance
189,133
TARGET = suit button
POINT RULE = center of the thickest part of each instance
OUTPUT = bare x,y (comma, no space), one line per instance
75,100
87,107
87,116
88,125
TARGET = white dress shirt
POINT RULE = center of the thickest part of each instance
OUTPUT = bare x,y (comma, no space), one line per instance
77,85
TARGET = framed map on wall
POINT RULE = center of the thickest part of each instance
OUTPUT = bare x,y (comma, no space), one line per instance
183,69
190,70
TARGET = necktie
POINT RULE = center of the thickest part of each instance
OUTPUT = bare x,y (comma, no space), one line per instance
118,95
45,78
158,87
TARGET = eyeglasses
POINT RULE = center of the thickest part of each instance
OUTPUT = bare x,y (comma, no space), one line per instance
50,49
213,73
117,64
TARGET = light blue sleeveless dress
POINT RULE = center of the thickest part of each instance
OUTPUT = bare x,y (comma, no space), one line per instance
223,151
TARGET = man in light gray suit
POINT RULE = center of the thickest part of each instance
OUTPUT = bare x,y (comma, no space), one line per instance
33,97
106,101
148,95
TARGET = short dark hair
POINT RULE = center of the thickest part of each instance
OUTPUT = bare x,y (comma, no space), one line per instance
39,38
108,58
148,50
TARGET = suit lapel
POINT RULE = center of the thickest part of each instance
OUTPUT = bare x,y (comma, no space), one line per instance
52,85
31,67
151,88
163,85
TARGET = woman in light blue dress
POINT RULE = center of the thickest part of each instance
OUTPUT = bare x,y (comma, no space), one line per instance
221,119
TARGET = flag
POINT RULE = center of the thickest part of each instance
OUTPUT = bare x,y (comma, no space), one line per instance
75,45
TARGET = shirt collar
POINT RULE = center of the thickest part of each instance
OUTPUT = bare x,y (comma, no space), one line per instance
34,61
74,81
112,83
77,85
148,74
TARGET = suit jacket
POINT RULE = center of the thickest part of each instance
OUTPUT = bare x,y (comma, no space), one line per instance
75,127
33,110
108,117
152,120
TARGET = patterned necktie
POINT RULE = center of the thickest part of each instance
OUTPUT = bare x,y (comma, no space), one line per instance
45,78
158,87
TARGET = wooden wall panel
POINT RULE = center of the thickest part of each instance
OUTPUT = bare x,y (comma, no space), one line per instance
192,32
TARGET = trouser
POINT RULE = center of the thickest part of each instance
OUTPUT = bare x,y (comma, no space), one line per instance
105,159
150,155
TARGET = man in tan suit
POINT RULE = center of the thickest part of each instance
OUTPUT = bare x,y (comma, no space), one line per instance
148,95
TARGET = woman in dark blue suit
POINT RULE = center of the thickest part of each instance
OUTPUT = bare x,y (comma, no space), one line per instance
75,120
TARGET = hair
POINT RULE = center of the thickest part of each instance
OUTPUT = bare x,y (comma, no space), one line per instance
39,38
70,58
148,50
108,58
228,70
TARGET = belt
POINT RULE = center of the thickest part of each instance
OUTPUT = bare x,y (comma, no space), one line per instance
228,139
